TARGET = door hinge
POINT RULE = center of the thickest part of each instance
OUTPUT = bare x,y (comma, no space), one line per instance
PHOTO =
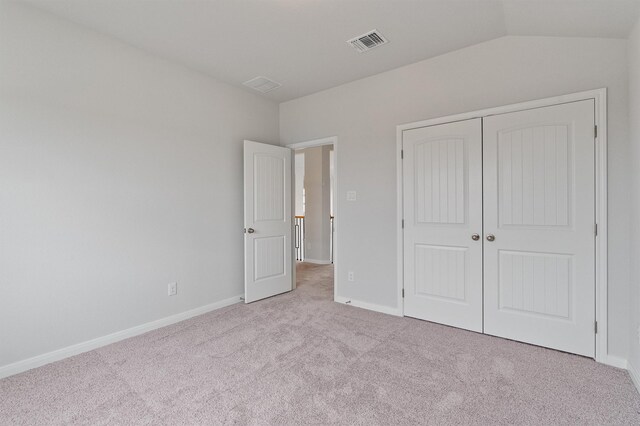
595,131
403,293
402,223
596,327
596,230
402,154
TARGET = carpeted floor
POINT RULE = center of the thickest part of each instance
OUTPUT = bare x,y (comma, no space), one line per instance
299,358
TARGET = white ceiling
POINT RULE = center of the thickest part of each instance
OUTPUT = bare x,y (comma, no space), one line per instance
301,43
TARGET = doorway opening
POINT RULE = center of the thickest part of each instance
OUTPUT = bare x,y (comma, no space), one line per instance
315,208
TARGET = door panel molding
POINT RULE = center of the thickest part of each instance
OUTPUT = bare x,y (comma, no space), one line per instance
601,288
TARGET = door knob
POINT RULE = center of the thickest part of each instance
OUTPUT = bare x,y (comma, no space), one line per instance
491,237
475,237
251,230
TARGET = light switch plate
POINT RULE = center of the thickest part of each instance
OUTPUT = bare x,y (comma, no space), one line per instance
172,289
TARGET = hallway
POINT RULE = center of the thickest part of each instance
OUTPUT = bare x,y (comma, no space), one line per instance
319,277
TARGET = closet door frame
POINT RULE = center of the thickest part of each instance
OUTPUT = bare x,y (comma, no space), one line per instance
601,286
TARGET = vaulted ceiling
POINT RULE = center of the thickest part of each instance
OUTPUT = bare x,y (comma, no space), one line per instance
301,43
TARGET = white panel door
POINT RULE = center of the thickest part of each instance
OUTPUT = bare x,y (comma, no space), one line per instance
442,181
267,221
539,246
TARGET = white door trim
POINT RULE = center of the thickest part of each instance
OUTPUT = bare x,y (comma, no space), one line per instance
600,98
331,140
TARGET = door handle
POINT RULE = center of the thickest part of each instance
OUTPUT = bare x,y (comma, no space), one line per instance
475,237
491,237
251,230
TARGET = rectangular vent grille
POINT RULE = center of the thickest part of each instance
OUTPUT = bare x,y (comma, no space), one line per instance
368,41
262,84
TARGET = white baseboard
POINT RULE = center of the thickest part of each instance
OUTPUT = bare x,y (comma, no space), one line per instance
370,306
317,261
57,355
614,361
635,375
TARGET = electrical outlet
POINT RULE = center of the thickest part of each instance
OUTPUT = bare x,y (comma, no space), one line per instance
351,196
172,289
350,276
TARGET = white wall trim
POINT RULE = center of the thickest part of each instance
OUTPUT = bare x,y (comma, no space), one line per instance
635,376
331,140
614,361
390,310
600,98
602,284
316,261
59,354
521,106
399,220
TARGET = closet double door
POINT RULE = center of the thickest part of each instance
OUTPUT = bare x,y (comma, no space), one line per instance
499,225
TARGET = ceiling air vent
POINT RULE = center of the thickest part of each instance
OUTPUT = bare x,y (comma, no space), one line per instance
262,84
368,41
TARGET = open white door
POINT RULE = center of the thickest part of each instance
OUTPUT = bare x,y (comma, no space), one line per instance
267,221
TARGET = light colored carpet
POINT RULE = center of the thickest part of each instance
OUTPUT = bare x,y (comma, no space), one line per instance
299,358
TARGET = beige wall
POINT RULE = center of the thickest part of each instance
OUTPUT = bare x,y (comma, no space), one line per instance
119,173
364,114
